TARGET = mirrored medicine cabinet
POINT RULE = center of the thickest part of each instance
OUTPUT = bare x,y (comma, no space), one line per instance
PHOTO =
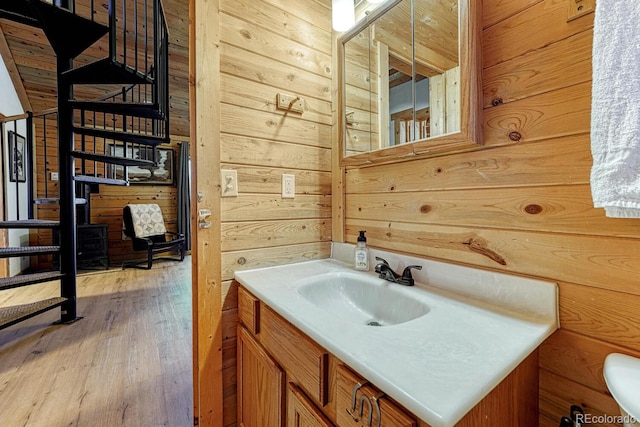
410,81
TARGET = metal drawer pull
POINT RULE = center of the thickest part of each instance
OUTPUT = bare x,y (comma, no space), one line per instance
354,398
377,406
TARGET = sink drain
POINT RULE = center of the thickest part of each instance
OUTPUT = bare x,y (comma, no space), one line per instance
374,323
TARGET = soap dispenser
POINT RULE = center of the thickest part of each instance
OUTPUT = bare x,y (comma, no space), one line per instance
361,253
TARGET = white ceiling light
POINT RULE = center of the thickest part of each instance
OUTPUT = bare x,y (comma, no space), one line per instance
343,15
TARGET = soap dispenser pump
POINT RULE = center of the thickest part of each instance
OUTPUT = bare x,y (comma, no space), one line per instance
361,253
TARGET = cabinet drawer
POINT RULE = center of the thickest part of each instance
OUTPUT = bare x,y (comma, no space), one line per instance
249,310
303,358
370,403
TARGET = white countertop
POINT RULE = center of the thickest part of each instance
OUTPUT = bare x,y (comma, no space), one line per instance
440,365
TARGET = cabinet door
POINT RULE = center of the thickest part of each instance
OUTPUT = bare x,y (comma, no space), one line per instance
260,385
301,412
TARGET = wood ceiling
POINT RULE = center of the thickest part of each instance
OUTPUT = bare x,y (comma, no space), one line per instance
30,58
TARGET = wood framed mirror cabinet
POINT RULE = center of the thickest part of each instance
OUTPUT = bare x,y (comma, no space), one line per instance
410,82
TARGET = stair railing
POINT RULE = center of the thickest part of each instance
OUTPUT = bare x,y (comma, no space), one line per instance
143,51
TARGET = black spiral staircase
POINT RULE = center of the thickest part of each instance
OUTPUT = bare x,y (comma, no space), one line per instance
96,139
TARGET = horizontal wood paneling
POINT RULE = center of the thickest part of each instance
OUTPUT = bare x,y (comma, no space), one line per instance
255,258
558,65
606,262
559,209
522,203
267,48
541,24
565,160
261,152
248,207
265,234
495,11
557,394
601,314
578,356
269,180
547,115
257,96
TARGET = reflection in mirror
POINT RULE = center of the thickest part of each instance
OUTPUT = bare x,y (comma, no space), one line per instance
436,59
397,92
366,79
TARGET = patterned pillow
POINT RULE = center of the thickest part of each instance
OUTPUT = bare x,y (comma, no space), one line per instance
147,220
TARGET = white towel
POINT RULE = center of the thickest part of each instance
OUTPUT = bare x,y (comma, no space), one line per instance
615,108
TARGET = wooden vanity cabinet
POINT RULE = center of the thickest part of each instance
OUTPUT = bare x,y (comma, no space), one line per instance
287,379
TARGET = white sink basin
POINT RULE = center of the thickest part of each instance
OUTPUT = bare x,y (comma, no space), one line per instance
361,299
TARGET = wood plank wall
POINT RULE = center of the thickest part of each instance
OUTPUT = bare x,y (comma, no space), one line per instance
524,206
267,47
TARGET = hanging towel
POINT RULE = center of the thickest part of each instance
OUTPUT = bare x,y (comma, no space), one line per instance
615,108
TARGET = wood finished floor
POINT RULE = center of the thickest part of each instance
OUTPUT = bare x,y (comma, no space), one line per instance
127,362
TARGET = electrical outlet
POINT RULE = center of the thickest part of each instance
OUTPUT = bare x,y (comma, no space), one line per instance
289,103
229,183
54,176
288,186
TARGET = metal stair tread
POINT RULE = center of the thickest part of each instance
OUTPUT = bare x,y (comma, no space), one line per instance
106,158
136,109
28,250
138,138
30,223
14,314
29,279
100,180
56,200
106,71
56,22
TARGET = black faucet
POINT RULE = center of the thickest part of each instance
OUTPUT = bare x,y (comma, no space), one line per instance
386,272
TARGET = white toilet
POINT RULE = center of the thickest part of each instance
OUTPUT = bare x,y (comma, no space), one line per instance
622,375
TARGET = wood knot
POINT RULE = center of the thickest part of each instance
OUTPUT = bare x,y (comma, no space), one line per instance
425,209
496,101
515,136
393,187
246,34
481,247
439,170
242,260
533,209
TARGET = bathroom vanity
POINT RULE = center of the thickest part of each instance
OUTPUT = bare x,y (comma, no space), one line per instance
320,344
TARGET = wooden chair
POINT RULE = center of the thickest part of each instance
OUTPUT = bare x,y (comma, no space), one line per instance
145,226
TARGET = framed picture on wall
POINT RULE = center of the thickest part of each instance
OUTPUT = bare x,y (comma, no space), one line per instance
160,174
17,157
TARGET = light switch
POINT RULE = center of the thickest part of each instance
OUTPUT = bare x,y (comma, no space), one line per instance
229,183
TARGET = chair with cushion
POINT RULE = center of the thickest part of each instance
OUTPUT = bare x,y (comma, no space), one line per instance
144,225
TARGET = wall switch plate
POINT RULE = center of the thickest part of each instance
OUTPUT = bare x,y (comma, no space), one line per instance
289,103
229,183
54,176
288,186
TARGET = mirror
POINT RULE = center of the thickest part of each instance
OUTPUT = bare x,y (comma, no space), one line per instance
411,81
